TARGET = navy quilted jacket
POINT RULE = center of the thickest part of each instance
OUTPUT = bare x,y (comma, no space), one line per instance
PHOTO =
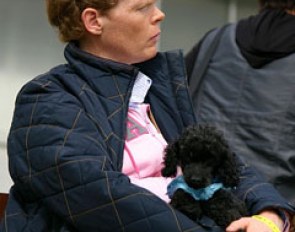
66,145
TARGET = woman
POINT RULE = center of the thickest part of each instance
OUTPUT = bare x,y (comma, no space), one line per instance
86,142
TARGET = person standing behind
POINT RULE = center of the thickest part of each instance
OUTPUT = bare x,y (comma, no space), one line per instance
87,139
248,90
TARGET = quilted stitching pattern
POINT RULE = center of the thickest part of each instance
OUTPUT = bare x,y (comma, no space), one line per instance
65,149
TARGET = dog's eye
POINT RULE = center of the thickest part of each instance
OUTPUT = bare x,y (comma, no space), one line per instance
212,162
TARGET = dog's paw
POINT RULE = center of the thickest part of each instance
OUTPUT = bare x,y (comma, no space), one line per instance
184,203
227,217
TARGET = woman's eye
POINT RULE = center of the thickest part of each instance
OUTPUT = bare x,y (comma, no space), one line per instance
145,7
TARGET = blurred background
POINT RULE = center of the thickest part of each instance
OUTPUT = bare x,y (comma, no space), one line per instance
29,46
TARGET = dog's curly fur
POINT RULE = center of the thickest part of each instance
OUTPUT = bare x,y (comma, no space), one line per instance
203,154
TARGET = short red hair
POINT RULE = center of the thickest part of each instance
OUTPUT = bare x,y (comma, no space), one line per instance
65,15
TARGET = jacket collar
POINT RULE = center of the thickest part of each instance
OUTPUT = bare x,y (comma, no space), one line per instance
77,57
168,80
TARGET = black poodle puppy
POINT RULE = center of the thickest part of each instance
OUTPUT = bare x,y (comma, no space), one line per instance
210,172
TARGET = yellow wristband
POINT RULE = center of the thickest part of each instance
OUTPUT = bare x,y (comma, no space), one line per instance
268,222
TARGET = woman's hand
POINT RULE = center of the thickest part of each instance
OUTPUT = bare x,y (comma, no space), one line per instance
249,224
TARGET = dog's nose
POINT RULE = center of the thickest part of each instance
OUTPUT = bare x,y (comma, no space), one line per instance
196,181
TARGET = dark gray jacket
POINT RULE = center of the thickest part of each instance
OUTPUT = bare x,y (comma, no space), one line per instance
249,92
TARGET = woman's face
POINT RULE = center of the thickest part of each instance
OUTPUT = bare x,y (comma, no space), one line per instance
131,31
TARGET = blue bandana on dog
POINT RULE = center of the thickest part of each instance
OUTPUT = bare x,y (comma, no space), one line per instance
201,194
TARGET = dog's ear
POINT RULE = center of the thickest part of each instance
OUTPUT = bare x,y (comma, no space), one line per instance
170,160
228,172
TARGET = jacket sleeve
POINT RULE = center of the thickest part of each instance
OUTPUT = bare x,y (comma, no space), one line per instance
58,157
258,194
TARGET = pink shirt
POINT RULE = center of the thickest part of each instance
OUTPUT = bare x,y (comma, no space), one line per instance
143,153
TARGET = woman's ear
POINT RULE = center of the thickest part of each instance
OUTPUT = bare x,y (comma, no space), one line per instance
92,20
228,171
